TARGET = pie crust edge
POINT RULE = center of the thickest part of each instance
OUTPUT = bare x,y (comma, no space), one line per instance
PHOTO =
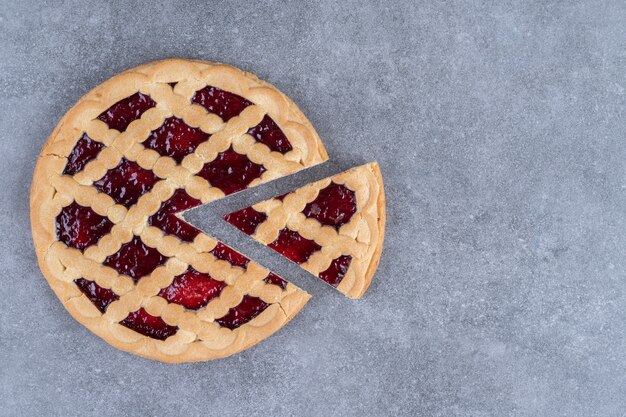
359,289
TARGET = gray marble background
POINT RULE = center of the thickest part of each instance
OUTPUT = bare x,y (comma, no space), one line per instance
500,130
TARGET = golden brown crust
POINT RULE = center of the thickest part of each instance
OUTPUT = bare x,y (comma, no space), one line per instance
361,238
263,326
198,337
382,219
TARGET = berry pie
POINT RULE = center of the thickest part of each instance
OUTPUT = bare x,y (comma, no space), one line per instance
333,228
114,179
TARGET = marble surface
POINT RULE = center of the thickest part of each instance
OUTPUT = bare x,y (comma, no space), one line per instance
500,130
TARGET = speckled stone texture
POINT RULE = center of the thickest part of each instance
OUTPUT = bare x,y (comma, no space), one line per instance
500,130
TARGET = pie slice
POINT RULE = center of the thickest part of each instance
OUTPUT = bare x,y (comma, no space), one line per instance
114,177
333,228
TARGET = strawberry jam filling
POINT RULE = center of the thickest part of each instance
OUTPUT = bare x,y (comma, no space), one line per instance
337,270
226,105
246,219
80,227
231,171
175,139
125,111
274,279
126,182
233,257
100,297
334,206
166,219
192,290
293,246
246,310
268,133
149,325
135,259
85,150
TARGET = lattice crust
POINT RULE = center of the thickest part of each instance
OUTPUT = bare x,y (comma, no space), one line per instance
360,238
198,337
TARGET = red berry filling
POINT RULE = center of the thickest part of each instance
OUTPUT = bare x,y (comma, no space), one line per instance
225,253
166,220
293,246
135,259
337,270
246,310
192,290
100,297
125,111
175,139
126,182
85,150
334,206
268,133
80,227
246,220
226,105
274,279
231,171
149,325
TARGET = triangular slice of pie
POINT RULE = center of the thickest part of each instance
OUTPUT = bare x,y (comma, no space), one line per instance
333,228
